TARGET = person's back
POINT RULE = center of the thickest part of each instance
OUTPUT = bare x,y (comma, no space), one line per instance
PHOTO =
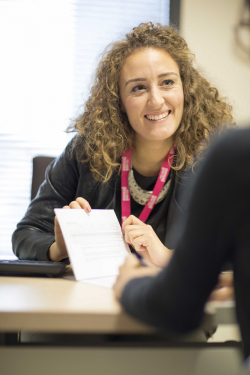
217,229
234,151
241,255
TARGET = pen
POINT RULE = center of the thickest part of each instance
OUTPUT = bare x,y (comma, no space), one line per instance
141,259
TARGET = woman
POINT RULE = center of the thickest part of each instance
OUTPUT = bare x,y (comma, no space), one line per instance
217,229
150,108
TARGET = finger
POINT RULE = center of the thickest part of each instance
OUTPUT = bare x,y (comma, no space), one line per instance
225,279
57,227
56,222
84,204
131,261
66,208
131,234
75,205
131,220
223,294
139,243
137,227
146,229
141,246
137,239
132,231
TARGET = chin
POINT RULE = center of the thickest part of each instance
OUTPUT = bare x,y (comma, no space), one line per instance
160,137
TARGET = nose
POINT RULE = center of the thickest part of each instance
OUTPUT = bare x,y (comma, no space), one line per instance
155,98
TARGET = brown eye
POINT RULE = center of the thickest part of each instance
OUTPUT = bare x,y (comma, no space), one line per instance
138,88
168,82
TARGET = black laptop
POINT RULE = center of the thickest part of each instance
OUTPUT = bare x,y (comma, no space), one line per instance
18,267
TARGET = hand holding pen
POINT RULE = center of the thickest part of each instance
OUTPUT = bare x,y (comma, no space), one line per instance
146,243
132,269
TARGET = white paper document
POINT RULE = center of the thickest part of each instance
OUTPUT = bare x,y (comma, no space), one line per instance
94,242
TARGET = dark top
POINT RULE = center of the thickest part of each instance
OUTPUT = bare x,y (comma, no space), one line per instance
217,228
65,180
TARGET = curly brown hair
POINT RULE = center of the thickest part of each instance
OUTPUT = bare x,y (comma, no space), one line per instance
104,132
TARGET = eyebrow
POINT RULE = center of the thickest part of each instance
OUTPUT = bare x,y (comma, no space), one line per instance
144,79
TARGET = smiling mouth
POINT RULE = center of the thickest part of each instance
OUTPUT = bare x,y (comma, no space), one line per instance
158,117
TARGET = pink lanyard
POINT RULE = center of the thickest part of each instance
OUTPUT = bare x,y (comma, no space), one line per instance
125,194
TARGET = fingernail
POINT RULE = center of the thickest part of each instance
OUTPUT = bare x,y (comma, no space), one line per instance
87,209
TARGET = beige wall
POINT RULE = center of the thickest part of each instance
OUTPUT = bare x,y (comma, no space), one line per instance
208,27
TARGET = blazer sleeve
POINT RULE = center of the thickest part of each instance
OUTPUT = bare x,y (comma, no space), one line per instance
35,232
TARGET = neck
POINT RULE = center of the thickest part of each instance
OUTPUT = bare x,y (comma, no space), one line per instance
147,156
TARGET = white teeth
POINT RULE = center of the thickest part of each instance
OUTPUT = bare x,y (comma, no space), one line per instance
158,117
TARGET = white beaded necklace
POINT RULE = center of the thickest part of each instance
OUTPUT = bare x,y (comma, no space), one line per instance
140,195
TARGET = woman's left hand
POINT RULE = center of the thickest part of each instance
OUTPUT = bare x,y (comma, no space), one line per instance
132,269
145,241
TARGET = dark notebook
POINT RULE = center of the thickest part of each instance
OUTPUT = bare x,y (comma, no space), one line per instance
31,268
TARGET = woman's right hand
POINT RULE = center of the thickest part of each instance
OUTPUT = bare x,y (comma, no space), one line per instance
58,249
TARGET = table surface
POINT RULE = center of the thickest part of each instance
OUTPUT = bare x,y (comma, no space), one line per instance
65,305
61,305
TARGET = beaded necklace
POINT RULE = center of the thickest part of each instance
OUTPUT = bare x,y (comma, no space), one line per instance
125,192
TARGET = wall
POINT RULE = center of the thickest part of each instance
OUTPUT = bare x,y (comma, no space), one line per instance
208,27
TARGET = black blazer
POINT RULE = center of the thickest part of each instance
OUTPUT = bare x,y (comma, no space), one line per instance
65,180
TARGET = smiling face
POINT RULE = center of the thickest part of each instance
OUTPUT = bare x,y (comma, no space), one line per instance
151,94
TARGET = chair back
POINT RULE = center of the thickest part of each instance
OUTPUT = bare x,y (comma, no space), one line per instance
40,164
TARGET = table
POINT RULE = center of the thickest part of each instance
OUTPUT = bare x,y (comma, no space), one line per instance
61,305
66,306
